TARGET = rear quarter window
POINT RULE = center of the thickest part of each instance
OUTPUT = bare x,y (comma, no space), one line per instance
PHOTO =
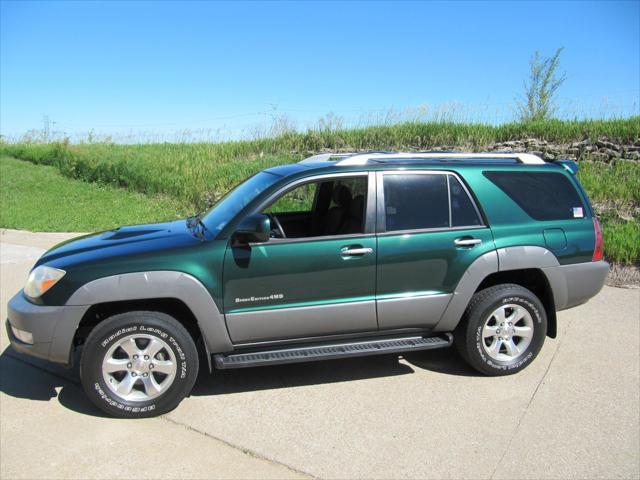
542,195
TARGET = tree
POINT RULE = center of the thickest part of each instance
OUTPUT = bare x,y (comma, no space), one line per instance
539,90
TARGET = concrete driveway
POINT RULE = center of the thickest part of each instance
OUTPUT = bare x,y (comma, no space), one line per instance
574,413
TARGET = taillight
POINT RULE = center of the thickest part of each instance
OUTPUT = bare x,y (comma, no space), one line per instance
597,251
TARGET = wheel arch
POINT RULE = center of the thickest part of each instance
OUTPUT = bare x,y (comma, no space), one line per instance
168,291
523,265
171,306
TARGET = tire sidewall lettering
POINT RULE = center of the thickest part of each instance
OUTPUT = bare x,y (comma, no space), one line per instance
114,403
103,393
478,347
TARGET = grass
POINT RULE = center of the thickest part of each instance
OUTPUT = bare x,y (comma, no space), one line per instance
39,198
621,240
195,172
614,190
617,181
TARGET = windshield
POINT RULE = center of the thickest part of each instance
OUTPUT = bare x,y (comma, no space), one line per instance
234,201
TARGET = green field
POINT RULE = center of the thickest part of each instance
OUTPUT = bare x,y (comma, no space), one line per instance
39,198
147,182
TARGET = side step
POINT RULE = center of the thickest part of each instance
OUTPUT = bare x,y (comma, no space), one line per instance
329,351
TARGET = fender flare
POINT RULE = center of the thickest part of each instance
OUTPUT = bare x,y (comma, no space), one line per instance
502,259
160,284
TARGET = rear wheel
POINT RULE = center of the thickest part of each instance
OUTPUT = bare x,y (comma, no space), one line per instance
503,329
138,364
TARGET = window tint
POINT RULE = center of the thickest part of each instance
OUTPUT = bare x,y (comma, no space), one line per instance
543,195
356,185
416,201
463,213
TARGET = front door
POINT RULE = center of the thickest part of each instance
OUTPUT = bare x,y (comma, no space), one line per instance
316,275
430,231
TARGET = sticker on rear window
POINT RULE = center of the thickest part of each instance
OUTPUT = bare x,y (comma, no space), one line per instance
577,212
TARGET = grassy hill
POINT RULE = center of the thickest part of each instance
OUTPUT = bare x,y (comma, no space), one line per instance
193,174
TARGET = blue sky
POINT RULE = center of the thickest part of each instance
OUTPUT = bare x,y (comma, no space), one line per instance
133,67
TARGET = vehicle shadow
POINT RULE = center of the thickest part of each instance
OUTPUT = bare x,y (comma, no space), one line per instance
25,377
28,378
445,361
298,374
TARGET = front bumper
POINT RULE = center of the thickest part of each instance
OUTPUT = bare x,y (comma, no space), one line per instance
53,328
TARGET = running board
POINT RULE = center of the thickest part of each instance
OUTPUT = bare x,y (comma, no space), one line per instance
329,351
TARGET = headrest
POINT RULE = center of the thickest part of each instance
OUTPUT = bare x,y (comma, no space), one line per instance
356,206
342,196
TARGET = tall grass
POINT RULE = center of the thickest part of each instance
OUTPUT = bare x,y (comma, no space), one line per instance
194,171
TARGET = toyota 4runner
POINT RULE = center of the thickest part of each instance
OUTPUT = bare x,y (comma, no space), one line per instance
340,255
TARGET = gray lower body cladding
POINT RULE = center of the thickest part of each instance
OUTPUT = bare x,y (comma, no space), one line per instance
574,284
421,311
571,285
53,328
317,320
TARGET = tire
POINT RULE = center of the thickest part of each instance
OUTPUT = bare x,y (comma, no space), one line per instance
481,337
122,380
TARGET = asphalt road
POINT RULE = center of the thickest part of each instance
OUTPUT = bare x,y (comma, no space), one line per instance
574,413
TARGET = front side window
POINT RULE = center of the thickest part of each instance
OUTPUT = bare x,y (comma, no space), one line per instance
325,207
297,200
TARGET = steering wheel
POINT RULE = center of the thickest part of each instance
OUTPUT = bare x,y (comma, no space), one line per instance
279,230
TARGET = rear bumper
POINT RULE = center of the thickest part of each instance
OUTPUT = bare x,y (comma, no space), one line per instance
574,284
53,328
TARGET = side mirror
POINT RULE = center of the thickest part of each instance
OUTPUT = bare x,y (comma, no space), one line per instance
254,228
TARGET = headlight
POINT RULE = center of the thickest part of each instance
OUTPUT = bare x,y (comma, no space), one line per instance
42,279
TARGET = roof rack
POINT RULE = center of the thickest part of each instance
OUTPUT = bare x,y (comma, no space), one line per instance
374,157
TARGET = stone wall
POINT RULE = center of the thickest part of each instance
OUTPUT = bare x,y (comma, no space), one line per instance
597,150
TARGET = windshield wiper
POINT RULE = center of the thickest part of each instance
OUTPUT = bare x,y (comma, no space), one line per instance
197,226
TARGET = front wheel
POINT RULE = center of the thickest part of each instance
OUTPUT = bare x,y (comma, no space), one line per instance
138,364
503,329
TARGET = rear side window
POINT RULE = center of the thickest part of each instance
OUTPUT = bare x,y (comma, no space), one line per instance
416,201
542,195
463,212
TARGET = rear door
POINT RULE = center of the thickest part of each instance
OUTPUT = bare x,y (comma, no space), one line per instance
429,232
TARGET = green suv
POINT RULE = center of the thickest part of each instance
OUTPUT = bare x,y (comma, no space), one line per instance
340,255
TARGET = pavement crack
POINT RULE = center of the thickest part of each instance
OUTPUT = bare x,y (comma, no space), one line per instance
526,409
244,450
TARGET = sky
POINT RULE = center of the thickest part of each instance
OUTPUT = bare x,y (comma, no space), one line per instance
126,68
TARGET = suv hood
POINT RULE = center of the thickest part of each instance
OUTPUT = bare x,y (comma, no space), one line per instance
129,240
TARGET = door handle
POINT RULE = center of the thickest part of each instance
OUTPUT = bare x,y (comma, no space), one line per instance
355,251
467,242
